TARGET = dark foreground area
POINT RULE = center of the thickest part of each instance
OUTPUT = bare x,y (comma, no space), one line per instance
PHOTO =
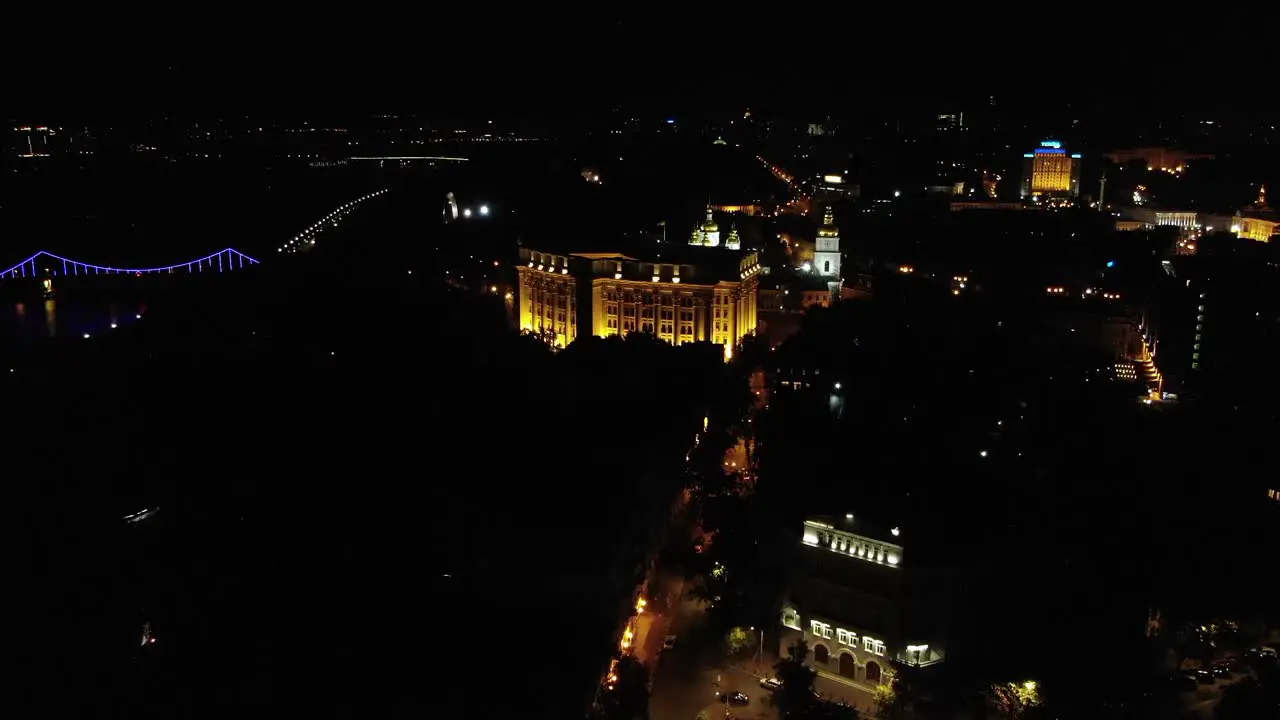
372,496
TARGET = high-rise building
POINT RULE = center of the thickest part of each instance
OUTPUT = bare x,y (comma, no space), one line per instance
33,141
826,256
1050,171
1211,322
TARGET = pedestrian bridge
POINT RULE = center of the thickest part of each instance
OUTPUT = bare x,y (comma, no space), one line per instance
46,263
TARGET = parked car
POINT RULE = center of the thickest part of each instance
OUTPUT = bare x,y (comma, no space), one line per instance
770,683
1222,670
668,642
737,698
1261,654
1179,681
1205,676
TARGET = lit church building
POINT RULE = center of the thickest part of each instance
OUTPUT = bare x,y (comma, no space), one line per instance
709,298
708,234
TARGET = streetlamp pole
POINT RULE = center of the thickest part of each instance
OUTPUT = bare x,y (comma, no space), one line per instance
760,649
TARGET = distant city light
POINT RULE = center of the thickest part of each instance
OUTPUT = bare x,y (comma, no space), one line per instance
1111,263
671,121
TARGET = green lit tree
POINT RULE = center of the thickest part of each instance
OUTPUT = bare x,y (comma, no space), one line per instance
738,640
1013,700
890,695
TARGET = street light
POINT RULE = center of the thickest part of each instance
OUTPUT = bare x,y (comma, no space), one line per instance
484,210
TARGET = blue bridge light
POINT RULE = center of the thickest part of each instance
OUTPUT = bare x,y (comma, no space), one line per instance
228,259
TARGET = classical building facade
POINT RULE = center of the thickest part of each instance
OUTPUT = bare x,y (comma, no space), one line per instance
608,294
1258,222
547,299
857,603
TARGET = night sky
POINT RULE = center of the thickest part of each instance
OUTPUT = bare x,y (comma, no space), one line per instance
486,60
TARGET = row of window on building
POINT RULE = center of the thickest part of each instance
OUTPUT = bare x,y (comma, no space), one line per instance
857,547
846,637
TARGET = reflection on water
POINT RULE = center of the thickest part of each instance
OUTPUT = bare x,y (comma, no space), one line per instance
61,318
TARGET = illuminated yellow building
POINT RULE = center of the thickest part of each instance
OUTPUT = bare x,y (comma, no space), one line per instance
750,210
1050,171
548,297
1254,227
711,300
1258,222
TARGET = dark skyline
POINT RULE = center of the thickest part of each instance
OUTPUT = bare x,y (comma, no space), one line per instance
837,63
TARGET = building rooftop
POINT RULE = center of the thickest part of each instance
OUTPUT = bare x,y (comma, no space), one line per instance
920,534
865,526
604,256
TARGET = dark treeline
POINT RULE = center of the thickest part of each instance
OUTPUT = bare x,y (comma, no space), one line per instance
372,493
1061,499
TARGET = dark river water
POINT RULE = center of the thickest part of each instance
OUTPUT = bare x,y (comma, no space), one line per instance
49,318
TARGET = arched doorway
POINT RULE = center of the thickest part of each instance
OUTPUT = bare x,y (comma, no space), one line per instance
873,671
848,666
820,654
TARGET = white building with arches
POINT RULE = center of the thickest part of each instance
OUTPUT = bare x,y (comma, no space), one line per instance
856,602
